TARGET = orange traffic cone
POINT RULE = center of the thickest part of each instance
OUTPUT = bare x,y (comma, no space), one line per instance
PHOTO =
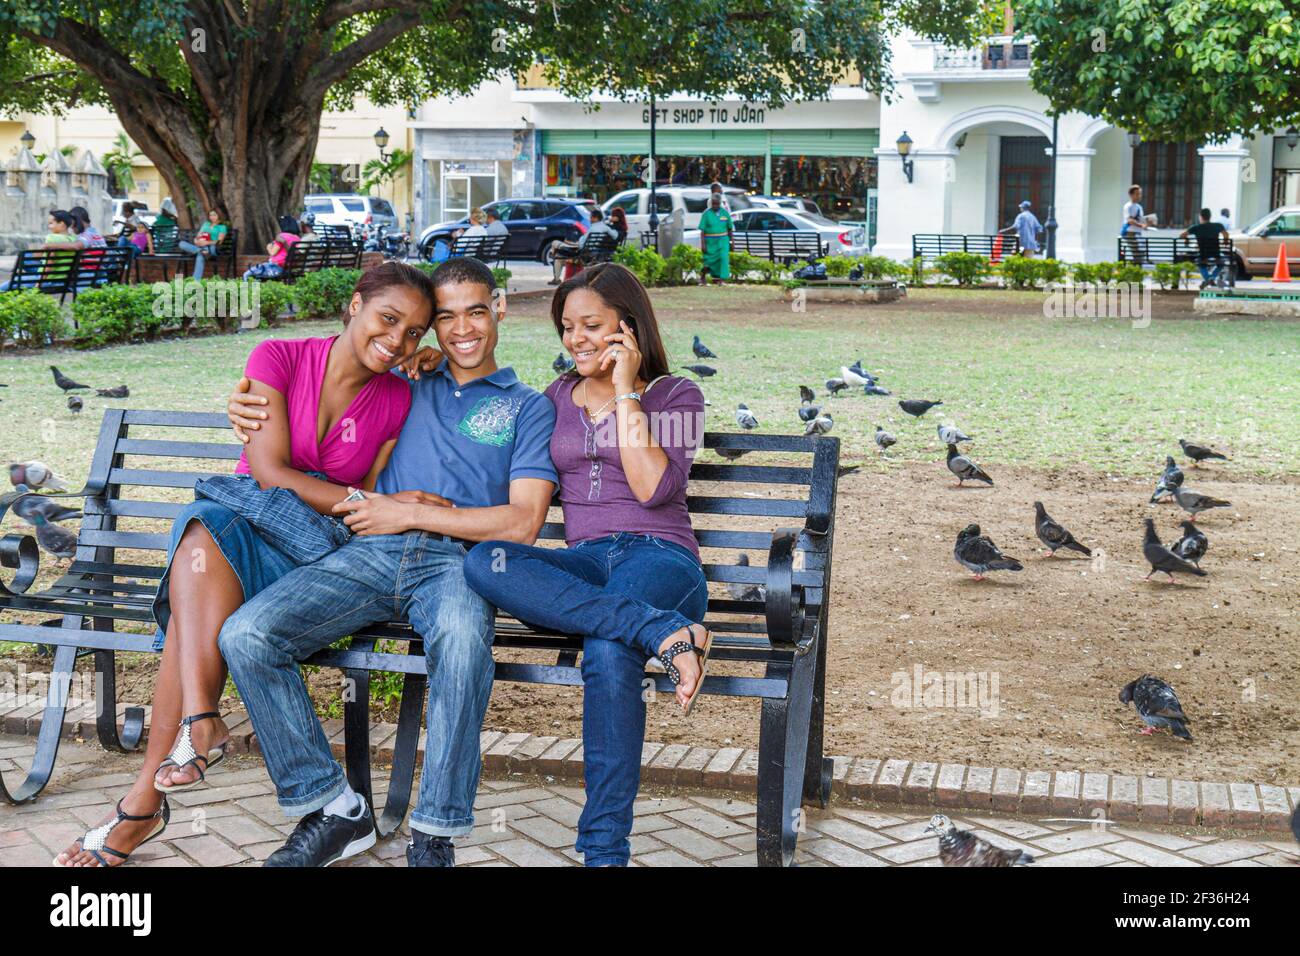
997,249
1281,273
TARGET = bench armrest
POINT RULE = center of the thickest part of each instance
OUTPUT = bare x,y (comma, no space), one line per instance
20,551
785,599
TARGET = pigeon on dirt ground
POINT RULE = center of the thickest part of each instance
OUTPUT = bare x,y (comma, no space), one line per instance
1053,535
1199,453
1157,705
117,391
36,475
819,425
1193,544
964,468
55,539
75,404
917,406
952,435
836,385
1162,559
746,590
700,349
1171,479
854,375
978,553
65,383
884,439
702,371
1194,502
27,504
963,848
562,364
745,418
874,389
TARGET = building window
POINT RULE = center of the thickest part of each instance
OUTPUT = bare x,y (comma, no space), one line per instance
1170,177
1024,172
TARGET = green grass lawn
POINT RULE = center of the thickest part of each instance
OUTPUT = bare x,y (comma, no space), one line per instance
1097,396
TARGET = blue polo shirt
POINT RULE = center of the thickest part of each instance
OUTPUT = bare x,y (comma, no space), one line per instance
468,442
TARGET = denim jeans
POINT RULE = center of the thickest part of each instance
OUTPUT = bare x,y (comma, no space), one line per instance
417,576
1210,269
624,594
199,253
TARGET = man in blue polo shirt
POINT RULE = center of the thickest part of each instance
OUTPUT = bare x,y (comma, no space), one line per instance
472,463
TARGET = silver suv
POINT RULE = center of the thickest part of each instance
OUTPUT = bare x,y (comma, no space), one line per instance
350,209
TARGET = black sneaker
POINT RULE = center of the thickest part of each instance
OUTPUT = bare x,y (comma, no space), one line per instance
320,840
427,850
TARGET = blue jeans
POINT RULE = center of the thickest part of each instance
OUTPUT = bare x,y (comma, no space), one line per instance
199,252
1211,269
624,594
372,578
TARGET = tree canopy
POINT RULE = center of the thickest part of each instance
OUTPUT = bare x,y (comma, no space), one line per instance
1172,70
225,96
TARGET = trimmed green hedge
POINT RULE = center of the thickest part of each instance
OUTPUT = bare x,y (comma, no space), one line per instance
324,294
31,318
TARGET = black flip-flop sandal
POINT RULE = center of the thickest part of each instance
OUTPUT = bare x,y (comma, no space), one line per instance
183,754
684,647
95,841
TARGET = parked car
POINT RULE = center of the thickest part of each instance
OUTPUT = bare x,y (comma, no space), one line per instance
1256,247
797,203
535,224
692,200
839,239
352,210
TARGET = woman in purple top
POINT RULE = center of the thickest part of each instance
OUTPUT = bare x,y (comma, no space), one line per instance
630,580
339,411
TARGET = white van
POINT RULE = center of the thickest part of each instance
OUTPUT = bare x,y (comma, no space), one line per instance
692,200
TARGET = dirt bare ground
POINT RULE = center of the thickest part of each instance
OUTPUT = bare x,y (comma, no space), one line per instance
1062,636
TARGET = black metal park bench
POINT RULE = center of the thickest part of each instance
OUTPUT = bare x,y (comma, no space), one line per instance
1149,250
769,646
60,272
320,254
787,246
487,249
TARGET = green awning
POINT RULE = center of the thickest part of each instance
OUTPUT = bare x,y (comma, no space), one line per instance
713,142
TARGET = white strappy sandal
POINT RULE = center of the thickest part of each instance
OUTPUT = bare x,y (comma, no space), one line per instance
95,842
183,754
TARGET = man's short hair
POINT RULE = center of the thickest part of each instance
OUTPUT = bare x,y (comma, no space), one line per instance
596,214
491,213
1205,213
1134,188
463,269
1224,212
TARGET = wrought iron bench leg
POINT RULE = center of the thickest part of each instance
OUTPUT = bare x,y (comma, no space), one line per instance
106,709
356,742
819,768
47,743
782,757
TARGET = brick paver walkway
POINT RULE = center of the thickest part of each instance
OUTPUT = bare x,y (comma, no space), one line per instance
530,821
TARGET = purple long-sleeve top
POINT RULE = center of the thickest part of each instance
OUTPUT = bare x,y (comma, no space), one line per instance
597,499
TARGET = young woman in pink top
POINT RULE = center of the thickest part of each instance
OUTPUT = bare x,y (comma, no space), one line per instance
339,413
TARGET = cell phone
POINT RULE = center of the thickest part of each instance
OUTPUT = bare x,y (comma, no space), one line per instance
357,495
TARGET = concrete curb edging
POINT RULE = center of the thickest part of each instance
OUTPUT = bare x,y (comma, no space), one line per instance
1120,797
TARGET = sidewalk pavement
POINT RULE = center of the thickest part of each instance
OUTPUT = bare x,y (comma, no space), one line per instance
531,821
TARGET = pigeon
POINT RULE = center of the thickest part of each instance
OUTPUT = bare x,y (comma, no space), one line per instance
1157,705
952,435
1161,558
1199,453
57,540
36,475
806,395
807,410
1171,479
964,468
744,418
884,439
703,371
75,404
979,554
117,391
916,406
26,504
731,454
874,389
1193,544
836,385
819,425
846,470
562,364
854,375
64,382
963,848
700,349
1194,502
1053,535
746,590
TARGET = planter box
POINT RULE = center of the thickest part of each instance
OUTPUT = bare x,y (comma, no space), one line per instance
843,290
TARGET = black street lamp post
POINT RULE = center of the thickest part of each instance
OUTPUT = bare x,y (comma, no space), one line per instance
1050,226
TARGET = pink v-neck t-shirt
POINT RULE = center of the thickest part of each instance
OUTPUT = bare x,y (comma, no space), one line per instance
295,368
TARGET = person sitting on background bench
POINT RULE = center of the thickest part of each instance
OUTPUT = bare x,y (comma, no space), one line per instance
206,241
88,237
1209,253
476,228
278,249
495,227
61,235
565,252
135,232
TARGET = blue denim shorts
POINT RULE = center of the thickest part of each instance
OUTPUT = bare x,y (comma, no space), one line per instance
256,563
